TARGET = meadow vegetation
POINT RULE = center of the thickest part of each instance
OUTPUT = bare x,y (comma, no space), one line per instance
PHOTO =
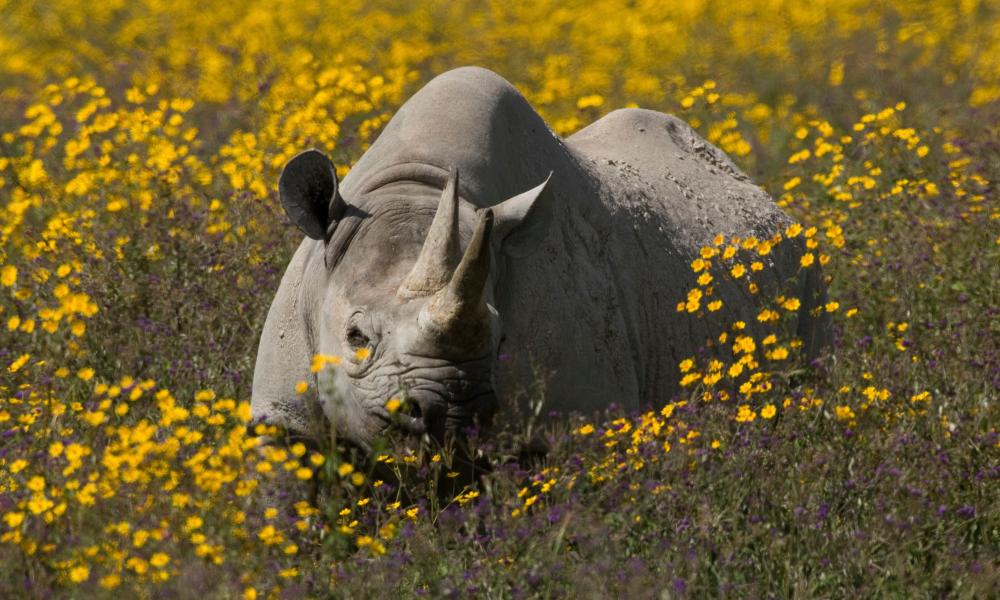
142,242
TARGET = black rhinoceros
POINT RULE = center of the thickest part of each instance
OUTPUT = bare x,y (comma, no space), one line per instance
431,269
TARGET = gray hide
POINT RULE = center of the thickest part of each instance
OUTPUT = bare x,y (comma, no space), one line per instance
584,290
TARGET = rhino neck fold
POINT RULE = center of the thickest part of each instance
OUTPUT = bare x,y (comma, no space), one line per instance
418,173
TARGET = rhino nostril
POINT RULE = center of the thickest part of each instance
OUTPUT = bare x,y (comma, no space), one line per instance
415,410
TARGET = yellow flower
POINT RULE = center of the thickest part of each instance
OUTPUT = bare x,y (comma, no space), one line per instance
586,429
13,519
39,504
745,414
19,362
768,411
807,259
301,387
689,379
779,353
362,354
8,275
693,301
393,405
844,413
321,360
204,396
345,469
139,538
138,565
738,271
767,315
159,559
79,574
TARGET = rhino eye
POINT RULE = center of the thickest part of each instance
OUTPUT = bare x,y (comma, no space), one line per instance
355,338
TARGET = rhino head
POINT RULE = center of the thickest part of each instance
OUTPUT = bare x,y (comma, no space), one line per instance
405,298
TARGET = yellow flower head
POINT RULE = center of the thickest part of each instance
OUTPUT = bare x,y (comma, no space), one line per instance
8,275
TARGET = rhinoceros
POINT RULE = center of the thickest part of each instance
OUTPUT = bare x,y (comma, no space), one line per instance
471,249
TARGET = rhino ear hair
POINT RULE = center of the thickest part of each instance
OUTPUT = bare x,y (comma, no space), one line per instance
523,220
309,194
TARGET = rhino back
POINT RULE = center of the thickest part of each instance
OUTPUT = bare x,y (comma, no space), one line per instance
669,193
693,185
469,118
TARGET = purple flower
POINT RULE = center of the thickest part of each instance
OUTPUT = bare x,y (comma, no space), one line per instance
680,586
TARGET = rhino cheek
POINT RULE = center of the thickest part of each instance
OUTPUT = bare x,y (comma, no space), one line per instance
346,412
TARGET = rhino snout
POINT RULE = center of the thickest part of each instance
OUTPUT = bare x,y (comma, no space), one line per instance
440,411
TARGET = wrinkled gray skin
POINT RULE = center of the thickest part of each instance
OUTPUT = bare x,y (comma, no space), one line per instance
579,275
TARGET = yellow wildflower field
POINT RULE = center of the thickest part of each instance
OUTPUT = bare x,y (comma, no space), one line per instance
142,241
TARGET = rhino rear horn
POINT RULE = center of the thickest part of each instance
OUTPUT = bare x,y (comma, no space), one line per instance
309,194
441,252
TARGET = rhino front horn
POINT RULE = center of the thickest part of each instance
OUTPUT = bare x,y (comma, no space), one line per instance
441,251
457,314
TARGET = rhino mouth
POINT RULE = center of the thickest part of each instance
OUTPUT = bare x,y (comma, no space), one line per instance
431,410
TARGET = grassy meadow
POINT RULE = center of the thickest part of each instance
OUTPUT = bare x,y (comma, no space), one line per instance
142,242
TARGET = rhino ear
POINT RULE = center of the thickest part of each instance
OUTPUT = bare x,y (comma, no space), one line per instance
309,193
521,222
